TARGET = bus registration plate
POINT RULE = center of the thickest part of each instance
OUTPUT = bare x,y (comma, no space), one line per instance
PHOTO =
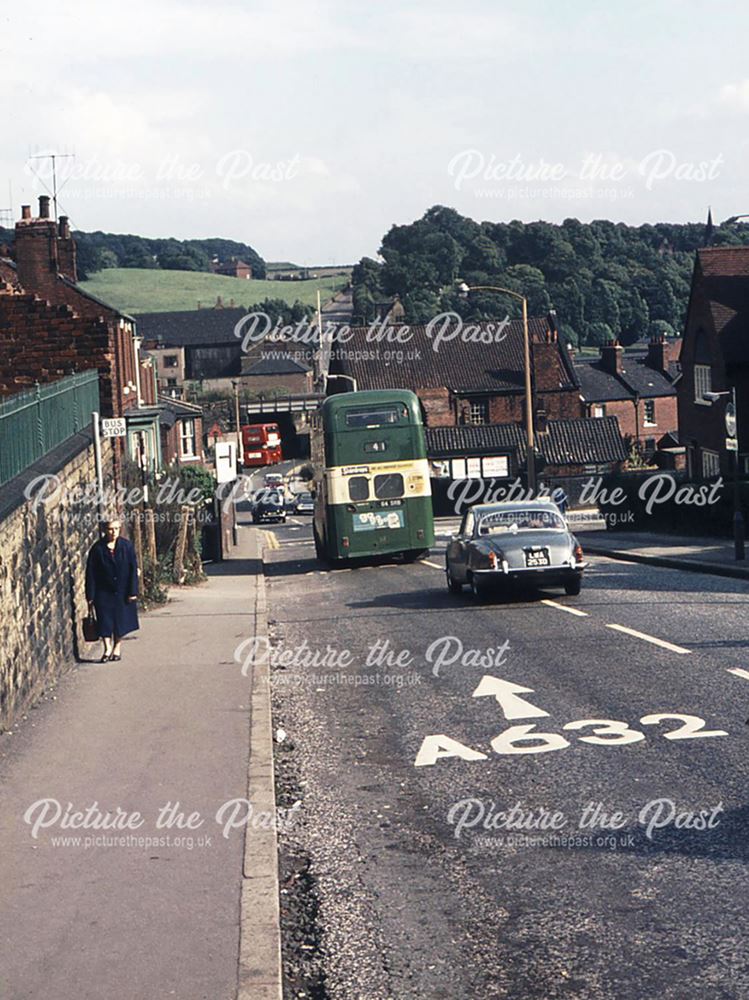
372,520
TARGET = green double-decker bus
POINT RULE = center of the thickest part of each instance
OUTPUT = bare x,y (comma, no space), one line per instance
372,490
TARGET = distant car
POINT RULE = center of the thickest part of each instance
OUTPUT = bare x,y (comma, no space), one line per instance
304,503
274,479
268,506
517,544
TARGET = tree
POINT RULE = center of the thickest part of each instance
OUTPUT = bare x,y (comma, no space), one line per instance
599,334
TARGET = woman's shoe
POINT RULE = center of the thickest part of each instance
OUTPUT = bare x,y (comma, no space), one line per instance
105,658
115,656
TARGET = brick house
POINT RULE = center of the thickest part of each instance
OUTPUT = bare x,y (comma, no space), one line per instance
181,432
715,358
638,390
232,268
88,332
51,327
465,382
472,395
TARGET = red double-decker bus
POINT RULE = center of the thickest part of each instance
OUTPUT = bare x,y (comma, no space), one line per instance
261,444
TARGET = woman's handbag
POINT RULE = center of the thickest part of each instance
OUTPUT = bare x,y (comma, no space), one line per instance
90,628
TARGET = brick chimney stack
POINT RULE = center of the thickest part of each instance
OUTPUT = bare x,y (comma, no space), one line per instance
36,251
66,249
658,354
611,357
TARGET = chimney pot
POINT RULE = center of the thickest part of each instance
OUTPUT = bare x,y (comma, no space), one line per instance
63,227
25,211
43,206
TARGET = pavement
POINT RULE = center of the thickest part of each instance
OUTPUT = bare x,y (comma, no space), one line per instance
434,738
173,903
696,554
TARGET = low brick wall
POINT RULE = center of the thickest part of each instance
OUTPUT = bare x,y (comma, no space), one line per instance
43,548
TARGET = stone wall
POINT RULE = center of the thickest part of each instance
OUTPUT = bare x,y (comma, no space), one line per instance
43,548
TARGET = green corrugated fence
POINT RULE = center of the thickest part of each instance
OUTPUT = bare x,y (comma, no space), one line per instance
32,423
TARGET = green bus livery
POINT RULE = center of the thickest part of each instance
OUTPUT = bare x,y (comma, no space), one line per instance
372,490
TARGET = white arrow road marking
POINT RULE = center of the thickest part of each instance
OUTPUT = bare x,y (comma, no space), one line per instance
506,694
649,638
739,672
563,607
433,565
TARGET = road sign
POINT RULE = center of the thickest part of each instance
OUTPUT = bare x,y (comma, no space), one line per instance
113,427
226,461
731,421
732,444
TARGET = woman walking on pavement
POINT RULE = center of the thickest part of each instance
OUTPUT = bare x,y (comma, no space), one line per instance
112,587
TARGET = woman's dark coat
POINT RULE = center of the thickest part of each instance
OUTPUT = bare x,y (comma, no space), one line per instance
110,580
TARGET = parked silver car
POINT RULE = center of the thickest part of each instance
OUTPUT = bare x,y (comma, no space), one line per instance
516,543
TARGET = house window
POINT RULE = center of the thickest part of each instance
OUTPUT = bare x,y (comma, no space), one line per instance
702,382
478,412
187,438
598,410
170,360
171,381
650,420
710,464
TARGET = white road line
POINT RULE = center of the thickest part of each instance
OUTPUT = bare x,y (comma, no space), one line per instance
649,638
563,607
739,672
433,565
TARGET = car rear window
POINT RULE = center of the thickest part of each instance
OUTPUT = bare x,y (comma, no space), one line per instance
520,520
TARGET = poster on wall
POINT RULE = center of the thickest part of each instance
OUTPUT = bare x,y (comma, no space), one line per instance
497,467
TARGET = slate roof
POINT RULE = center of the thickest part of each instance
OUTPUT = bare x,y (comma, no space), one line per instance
191,327
456,364
565,442
276,366
215,328
636,378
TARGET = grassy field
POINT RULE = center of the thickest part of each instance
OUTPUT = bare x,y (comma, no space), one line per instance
137,290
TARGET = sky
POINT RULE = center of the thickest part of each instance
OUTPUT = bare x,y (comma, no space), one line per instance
307,128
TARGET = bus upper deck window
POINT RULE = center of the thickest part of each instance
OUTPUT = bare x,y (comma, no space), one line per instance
358,488
376,416
389,486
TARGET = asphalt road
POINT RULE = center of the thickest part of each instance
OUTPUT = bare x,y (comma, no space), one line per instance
418,893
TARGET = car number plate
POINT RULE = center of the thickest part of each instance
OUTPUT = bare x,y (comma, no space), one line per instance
537,557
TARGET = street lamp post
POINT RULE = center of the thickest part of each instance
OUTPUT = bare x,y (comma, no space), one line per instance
240,443
464,289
